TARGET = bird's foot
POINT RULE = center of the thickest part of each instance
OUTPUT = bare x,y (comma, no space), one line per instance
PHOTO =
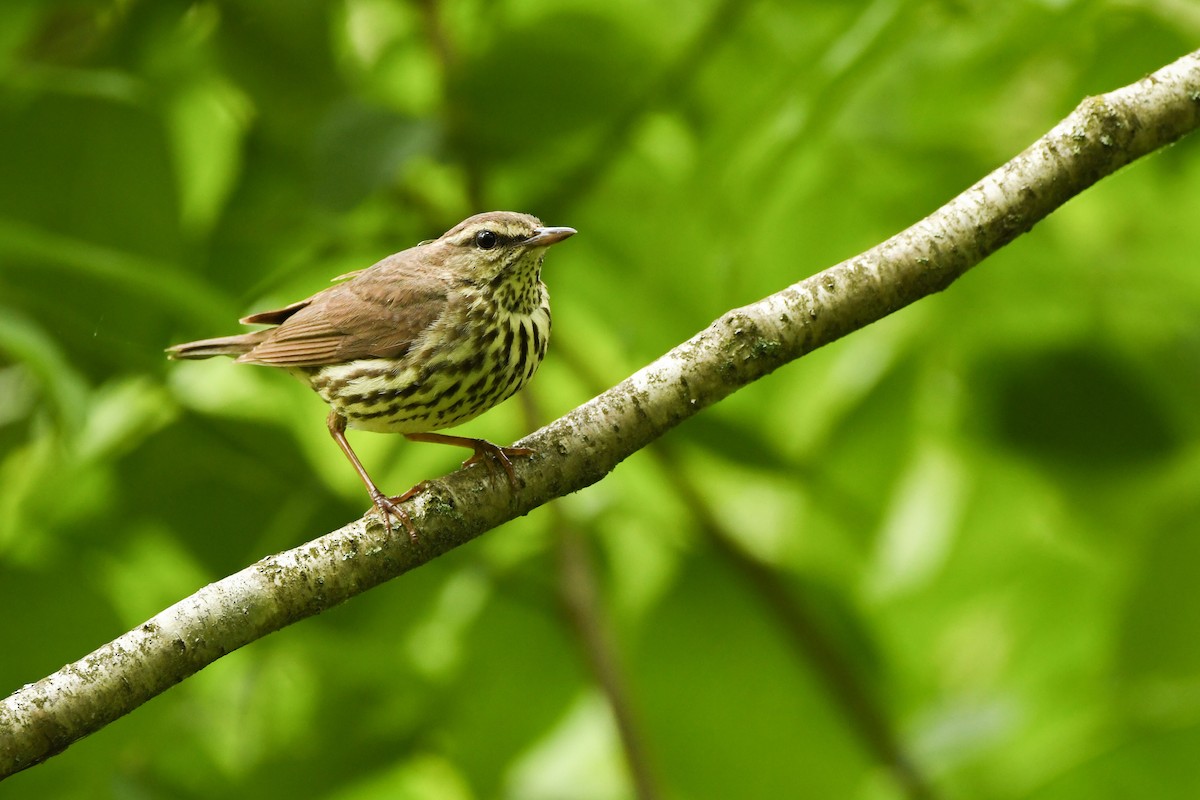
388,507
493,454
490,454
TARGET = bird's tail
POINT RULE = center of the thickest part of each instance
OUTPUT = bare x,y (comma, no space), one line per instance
221,346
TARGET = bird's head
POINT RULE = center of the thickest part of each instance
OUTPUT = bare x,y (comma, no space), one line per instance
498,246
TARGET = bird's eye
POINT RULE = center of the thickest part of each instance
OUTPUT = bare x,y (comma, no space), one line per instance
486,240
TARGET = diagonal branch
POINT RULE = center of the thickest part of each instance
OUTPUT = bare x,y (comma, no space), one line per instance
1103,134
862,712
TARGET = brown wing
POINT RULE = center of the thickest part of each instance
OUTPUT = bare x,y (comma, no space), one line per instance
275,317
376,314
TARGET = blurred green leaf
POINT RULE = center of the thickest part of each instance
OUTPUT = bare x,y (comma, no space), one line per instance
484,735
1156,642
26,343
1150,767
1080,406
983,506
547,79
361,149
714,677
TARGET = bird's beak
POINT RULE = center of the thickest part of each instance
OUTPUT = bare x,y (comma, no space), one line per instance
544,237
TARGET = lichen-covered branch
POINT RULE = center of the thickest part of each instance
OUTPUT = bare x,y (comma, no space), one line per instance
1103,134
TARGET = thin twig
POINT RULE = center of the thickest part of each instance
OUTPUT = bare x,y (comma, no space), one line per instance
446,54
580,596
580,599
807,637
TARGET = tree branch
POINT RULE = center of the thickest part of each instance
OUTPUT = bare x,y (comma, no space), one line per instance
580,598
1103,134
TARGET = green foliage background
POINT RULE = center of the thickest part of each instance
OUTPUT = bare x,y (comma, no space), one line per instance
980,515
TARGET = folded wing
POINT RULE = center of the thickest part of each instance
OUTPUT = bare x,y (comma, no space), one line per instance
379,313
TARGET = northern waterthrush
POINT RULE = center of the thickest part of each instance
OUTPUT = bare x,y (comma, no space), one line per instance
427,338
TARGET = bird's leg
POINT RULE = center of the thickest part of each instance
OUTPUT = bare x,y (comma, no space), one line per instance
485,451
384,505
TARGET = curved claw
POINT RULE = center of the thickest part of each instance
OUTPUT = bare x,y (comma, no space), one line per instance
491,454
387,507
485,451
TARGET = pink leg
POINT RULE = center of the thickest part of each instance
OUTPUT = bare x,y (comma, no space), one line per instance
484,451
384,505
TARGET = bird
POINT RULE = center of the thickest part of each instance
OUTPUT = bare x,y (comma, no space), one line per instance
426,339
